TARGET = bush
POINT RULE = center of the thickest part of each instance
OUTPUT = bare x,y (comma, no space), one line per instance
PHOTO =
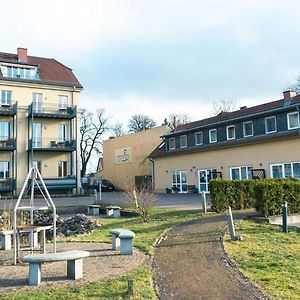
266,195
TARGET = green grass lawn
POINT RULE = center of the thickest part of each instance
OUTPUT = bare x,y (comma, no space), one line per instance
116,288
268,257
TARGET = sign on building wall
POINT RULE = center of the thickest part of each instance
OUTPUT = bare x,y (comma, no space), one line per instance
123,155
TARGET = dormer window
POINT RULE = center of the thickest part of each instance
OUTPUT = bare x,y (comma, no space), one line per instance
172,144
248,129
230,130
213,136
293,120
19,71
183,141
270,124
199,138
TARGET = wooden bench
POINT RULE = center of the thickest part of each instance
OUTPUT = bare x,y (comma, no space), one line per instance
73,258
122,239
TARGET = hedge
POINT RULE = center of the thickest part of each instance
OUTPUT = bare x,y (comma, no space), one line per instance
266,195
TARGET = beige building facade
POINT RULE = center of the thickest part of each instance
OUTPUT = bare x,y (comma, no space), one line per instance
125,158
39,122
257,142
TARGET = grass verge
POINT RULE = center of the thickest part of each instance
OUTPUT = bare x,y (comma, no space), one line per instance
116,288
268,257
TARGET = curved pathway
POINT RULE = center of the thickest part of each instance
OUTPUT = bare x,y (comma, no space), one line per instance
190,263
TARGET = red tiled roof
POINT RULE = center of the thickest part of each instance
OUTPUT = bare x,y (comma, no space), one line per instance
50,70
235,114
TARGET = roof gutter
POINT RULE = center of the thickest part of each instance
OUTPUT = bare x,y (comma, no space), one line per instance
297,106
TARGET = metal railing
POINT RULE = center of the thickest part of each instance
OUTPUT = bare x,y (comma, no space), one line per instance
51,109
8,107
55,144
7,142
7,184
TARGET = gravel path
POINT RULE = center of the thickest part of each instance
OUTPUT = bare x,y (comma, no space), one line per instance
101,264
190,263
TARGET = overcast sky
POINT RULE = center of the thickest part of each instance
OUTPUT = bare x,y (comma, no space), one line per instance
162,56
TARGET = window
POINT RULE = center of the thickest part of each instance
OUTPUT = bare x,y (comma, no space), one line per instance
37,100
183,141
63,132
4,169
243,172
199,138
5,97
62,168
172,143
270,124
248,128
213,136
4,131
285,170
63,102
230,132
36,135
17,72
293,120
38,165
179,181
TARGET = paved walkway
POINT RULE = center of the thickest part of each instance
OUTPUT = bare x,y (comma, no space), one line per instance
101,264
190,263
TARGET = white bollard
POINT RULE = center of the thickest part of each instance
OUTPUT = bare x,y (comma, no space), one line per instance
204,206
231,224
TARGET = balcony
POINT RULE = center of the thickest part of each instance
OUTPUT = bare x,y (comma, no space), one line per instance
8,109
51,145
7,144
7,184
52,111
58,183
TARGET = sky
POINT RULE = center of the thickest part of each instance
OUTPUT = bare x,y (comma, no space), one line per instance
158,57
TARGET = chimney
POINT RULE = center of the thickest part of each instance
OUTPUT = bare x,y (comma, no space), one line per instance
22,54
287,95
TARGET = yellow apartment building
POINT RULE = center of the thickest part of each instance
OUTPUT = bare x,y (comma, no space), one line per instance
262,141
125,158
39,122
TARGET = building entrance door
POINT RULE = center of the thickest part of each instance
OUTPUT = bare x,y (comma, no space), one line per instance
180,181
204,177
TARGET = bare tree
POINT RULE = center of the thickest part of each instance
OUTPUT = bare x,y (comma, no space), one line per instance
176,119
91,129
142,200
295,86
118,129
222,106
140,122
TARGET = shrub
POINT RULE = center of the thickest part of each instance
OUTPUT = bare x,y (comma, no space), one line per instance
266,195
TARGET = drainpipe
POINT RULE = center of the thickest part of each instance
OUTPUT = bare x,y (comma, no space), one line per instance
153,173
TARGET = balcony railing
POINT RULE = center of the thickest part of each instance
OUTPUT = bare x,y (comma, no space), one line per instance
7,184
7,144
8,108
58,183
51,110
52,144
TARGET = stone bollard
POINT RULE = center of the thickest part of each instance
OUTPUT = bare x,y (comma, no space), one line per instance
231,225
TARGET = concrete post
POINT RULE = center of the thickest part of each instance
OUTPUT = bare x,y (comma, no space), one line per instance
231,225
204,206
96,196
284,217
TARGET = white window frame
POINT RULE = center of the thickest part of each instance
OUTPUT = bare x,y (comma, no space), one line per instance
266,127
240,172
288,120
38,165
64,168
183,138
37,102
182,186
227,132
244,133
63,132
209,133
6,97
283,169
170,143
63,101
200,133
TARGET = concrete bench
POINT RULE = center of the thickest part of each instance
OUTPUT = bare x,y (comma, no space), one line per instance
113,212
5,239
93,209
73,258
122,239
